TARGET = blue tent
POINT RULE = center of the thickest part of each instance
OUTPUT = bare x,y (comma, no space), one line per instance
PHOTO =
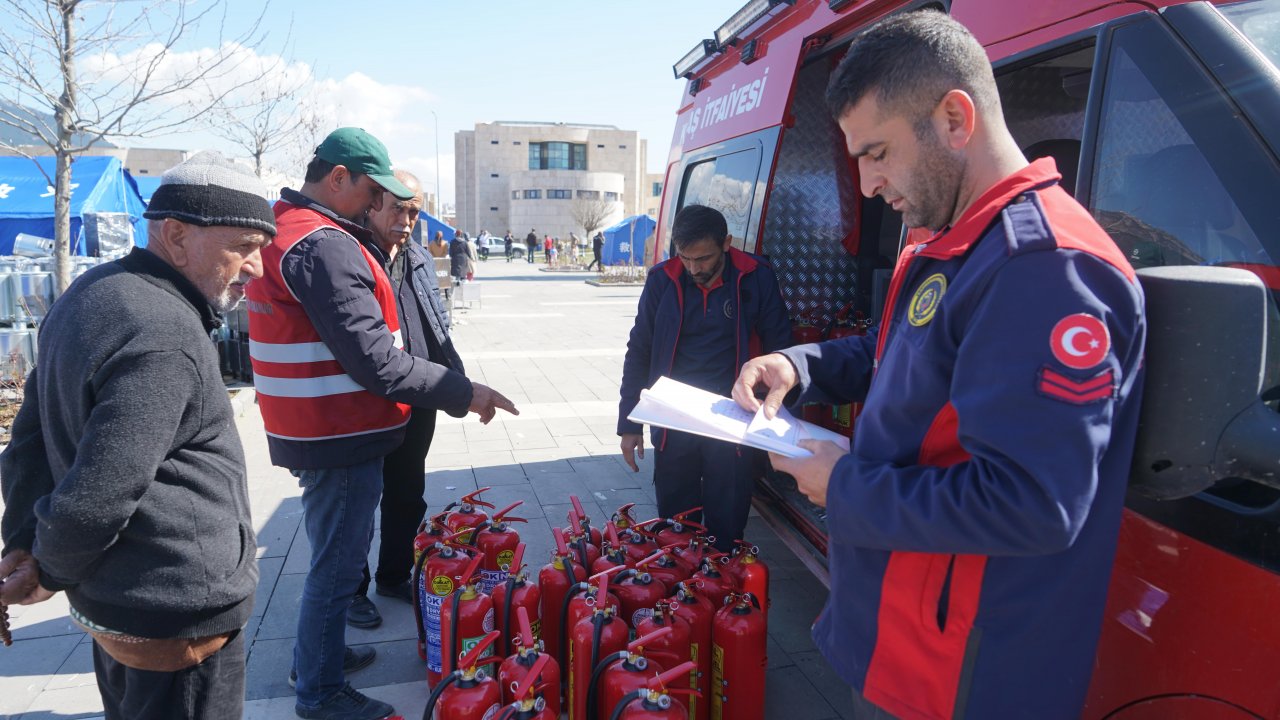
147,185
624,242
427,226
106,209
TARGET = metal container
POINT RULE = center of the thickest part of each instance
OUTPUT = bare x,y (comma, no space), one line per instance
32,245
7,308
17,354
32,295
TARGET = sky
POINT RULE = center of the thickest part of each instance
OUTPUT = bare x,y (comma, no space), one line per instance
386,66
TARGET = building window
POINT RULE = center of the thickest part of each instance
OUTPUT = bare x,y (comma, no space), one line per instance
559,194
493,208
622,147
557,156
599,147
588,194
515,194
657,189
515,142
611,197
532,194
493,142
493,174
144,172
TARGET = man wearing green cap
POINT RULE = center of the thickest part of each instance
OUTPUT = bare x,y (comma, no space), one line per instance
335,387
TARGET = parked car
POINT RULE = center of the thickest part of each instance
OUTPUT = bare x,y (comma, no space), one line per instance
497,246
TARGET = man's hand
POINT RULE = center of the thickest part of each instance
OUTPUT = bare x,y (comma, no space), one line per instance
632,443
773,373
813,473
20,580
485,402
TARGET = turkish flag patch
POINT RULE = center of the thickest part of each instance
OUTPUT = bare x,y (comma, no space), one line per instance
1080,341
1057,386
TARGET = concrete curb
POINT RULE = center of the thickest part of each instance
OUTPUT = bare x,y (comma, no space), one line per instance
242,398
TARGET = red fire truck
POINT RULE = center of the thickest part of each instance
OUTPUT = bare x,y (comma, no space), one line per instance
1164,118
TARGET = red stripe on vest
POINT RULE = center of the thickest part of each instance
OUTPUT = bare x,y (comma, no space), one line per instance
277,318
915,668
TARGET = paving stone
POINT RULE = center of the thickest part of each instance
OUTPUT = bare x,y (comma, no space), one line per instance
276,533
555,488
789,694
824,678
500,475
28,666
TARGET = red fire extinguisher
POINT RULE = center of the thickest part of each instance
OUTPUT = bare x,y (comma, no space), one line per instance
531,695
637,592
555,579
713,583
529,663
625,671
738,659
697,550
638,541
678,645
467,693
622,517
750,573
583,523
579,541
842,416
804,332
698,612
498,542
434,582
465,617
664,568
655,701
592,638
579,603
468,515
524,595
680,529
430,532
612,554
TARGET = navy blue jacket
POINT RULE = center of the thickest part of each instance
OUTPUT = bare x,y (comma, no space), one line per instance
418,297
973,525
763,326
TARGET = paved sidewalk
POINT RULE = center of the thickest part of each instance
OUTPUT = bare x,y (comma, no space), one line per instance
554,345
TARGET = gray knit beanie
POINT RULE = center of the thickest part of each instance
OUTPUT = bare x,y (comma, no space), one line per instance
208,189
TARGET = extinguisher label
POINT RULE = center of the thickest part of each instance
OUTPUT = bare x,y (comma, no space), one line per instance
491,713
641,614
692,700
490,579
536,627
717,682
471,642
442,585
505,558
488,623
431,622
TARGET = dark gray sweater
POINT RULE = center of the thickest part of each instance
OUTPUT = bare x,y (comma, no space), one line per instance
125,475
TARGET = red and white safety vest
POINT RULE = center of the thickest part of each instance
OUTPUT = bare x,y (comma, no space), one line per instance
303,392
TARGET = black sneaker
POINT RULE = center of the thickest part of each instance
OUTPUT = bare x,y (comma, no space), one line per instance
363,613
347,704
402,591
353,659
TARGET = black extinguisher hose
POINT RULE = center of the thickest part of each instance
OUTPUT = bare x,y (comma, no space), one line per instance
626,700
475,533
437,691
509,711
599,622
506,616
581,547
564,631
595,680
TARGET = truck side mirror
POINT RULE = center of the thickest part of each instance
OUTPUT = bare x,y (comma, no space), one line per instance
1203,419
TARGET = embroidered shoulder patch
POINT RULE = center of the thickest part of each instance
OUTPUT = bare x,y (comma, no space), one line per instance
1080,341
925,301
1056,386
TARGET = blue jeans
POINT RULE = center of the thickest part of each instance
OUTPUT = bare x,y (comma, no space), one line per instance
337,510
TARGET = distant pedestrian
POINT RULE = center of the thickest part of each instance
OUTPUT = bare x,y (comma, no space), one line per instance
507,242
547,244
438,247
531,243
459,258
597,247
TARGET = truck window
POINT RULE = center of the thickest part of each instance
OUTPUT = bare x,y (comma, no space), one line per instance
1179,179
728,184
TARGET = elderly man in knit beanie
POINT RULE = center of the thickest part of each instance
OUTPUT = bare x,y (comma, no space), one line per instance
124,480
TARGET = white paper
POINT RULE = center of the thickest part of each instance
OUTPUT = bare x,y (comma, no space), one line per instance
674,405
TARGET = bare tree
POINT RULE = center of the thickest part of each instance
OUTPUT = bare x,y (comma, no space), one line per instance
592,212
272,116
131,90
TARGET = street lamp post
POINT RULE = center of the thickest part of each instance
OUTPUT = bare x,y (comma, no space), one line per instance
437,121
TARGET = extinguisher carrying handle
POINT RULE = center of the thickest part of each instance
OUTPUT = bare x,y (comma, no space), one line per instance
659,682
683,519
640,642
624,513
474,498
501,515
527,685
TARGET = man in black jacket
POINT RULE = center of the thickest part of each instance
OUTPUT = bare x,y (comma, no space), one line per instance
597,247
426,335
124,482
531,242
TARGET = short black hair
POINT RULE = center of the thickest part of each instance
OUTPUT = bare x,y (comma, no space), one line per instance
910,61
695,223
318,170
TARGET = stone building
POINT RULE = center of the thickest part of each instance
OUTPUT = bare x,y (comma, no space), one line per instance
523,176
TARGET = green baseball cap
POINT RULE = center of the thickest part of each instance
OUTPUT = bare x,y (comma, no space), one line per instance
358,151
